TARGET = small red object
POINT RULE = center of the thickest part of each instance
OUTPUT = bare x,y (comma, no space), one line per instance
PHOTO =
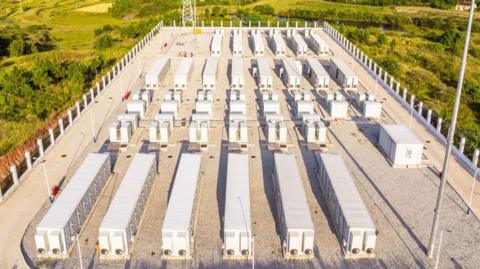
55,190
126,95
165,45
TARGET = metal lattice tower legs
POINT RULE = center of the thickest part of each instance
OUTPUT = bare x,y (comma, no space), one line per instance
189,12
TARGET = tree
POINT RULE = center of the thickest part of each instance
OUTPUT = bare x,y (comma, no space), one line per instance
104,42
265,9
216,11
381,40
17,48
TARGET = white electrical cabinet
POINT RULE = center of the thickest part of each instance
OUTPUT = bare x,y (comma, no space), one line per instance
290,75
216,44
121,132
264,77
133,118
183,73
237,232
268,95
161,128
64,219
237,79
301,95
209,75
318,45
170,106
136,107
270,107
342,73
276,129
205,95
400,145
237,95
237,42
299,47
314,130
144,95
178,225
198,129
119,226
317,75
238,106
371,109
338,109
350,218
257,45
204,106
155,75
303,107
278,45
293,213
173,95
237,128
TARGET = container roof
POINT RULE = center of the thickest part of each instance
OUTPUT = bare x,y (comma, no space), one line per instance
346,70
294,201
123,205
401,134
158,66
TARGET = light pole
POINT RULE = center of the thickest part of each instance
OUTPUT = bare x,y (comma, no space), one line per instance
451,133
79,250
92,126
253,252
49,191
439,248
469,209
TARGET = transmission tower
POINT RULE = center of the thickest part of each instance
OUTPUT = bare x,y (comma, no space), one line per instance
189,13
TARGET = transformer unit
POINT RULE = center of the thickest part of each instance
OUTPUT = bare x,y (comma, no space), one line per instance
205,95
157,72
182,75
63,221
300,95
237,232
119,226
290,75
318,45
278,45
400,145
314,129
120,132
236,74
136,107
270,107
342,73
303,107
237,46
178,225
216,44
198,129
371,109
144,95
276,129
264,77
237,95
204,106
293,213
132,118
338,109
257,45
209,75
299,47
268,95
237,128
161,128
169,106
173,95
354,227
238,106
317,75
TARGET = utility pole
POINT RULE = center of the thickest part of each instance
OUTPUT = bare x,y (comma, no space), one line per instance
451,133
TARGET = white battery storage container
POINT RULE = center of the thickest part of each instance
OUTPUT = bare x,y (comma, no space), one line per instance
304,107
371,109
257,45
209,75
278,45
216,44
291,75
264,77
270,107
178,225
170,106
65,218
238,106
400,145
237,128
338,109
183,73
204,106
119,226
299,47
155,75
342,73
352,222
237,79
136,107
293,213
237,235
314,129
237,43
318,45
317,75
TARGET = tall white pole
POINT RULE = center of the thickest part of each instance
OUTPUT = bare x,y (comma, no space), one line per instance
92,126
451,133
439,248
471,192
45,174
253,252
79,252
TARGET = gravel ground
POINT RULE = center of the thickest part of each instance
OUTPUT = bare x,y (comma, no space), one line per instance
400,201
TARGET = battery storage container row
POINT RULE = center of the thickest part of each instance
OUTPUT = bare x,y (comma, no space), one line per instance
157,72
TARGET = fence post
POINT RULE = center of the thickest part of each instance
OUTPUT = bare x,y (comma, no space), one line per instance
397,88
476,153
60,125
70,119
13,170
404,95
429,116
40,147
412,101
52,136
28,158
439,125
420,108
92,94
461,148
98,89
85,102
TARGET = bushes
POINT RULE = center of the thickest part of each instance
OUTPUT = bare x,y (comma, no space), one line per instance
104,42
265,9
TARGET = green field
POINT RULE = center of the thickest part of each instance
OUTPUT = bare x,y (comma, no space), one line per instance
419,44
